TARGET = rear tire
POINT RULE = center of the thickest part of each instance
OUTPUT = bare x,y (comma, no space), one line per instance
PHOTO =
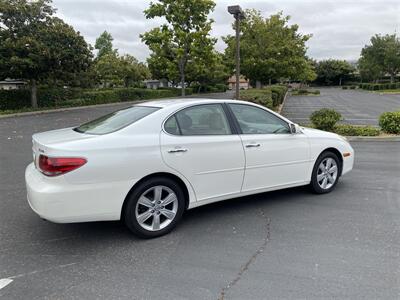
325,174
154,207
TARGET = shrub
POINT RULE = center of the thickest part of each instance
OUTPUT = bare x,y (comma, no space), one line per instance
275,99
301,92
221,87
351,130
259,96
217,88
278,93
390,122
345,87
352,87
14,99
325,119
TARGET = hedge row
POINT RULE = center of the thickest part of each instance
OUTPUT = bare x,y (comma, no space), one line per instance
217,88
305,92
379,86
354,130
270,97
18,99
349,87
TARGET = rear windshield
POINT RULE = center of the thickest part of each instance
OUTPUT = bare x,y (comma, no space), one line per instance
116,120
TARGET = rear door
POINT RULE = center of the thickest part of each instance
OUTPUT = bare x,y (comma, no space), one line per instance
199,143
274,156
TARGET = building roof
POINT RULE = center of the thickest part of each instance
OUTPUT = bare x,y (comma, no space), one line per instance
242,79
12,81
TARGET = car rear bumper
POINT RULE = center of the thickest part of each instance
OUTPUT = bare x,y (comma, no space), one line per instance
56,200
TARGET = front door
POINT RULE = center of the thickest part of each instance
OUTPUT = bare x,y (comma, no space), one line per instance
198,143
274,156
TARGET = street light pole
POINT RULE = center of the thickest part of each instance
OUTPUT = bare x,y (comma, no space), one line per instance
239,15
237,94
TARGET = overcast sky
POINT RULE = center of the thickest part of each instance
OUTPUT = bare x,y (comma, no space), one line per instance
340,28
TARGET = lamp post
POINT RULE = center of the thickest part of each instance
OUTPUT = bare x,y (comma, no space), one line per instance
239,15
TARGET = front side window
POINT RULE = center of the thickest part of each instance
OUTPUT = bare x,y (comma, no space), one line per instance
254,120
207,119
116,120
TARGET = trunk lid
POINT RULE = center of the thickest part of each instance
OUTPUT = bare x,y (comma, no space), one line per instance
52,142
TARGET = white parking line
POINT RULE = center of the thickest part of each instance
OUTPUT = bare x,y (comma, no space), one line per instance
4,282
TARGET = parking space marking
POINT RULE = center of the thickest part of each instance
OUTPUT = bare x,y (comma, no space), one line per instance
4,282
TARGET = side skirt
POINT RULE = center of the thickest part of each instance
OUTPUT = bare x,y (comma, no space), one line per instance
246,193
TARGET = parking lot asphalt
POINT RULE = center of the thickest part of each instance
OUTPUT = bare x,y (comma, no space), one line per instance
357,107
285,244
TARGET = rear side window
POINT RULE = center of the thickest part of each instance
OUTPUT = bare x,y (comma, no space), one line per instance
116,120
171,126
207,119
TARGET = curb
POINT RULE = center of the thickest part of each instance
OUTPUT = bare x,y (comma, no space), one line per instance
283,102
373,138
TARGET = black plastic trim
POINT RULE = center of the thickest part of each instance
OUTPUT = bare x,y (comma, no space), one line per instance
235,127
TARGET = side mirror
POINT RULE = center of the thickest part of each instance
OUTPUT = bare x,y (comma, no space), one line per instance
294,128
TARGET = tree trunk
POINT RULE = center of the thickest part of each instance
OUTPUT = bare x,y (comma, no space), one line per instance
340,81
391,77
183,83
34,102
181,65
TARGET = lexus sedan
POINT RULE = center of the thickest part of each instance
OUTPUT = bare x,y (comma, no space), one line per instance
149,163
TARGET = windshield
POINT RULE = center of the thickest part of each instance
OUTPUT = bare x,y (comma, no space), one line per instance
116,120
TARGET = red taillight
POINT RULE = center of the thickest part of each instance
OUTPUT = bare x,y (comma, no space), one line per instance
53,166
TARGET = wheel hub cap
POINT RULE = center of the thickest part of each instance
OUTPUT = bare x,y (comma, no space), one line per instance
156,208
327,173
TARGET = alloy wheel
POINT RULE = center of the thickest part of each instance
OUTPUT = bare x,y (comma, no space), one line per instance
327,173
156,208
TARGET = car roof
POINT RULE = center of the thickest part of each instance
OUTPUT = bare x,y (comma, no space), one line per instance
185,101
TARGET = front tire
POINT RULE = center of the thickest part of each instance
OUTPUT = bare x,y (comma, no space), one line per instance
154,207
325,174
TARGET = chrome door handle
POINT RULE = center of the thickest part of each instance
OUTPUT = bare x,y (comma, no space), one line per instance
178,150
253,145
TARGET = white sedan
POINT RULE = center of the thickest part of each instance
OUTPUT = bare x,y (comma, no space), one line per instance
148,163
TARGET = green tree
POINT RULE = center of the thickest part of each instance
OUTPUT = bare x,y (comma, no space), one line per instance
381,57
114,70
369,70
108,69
174,43
306,72
36,46
271,49
132,71
111,69
104,44
208,69
333,71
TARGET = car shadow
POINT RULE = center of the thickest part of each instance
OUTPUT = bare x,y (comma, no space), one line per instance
250,202
90,234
